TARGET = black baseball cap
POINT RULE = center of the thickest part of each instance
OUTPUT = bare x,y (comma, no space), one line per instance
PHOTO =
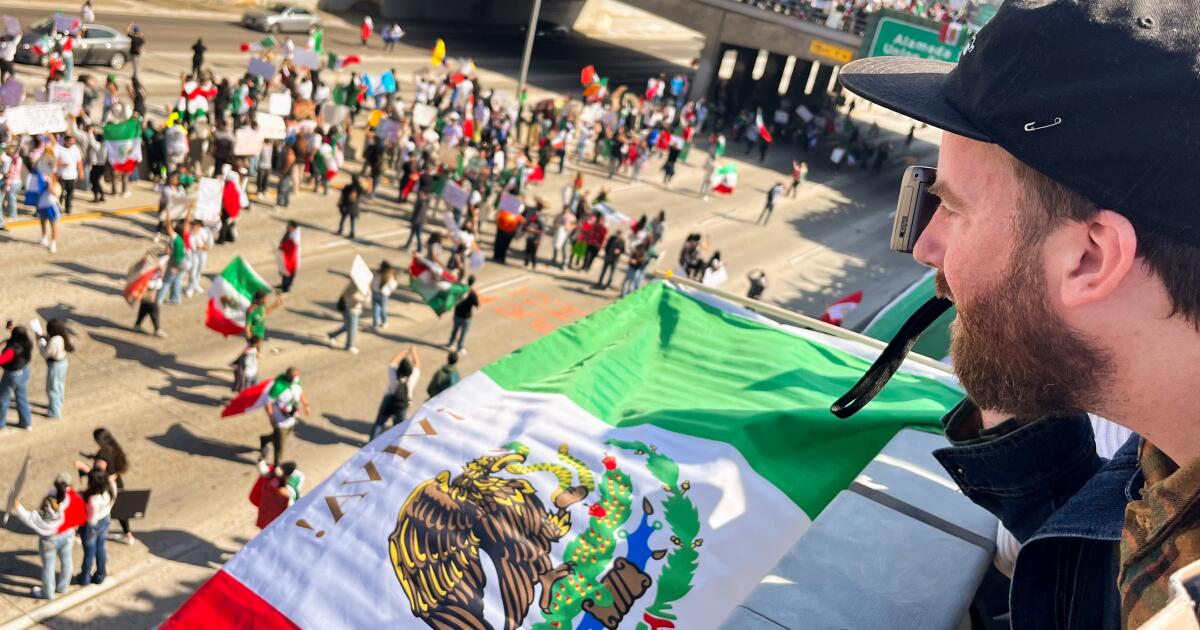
1098,95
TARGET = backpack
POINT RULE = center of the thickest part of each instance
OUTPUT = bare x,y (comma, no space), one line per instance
400,393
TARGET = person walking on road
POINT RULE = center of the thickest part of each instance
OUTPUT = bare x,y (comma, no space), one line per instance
256,315
55,538
417,221
772,195
564,225
176,263
98,498
382,285
799,174
148,305
462,318
348,201
446,376
198,50
351,305
364,31
136,43
111,459
200,238
404,371
281,412
49,211
54,346
69,168
245,366
277,488
14,383
613,250
758,283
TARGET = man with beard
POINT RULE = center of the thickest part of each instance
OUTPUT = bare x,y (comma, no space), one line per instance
1069,242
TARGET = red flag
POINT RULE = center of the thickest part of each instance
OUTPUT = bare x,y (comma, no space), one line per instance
836,313
289,253
762,128
537,175
588,75
950,32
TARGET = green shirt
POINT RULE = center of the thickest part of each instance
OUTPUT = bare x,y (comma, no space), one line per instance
256,321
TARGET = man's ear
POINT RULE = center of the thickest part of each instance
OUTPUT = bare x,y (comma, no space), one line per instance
1097,255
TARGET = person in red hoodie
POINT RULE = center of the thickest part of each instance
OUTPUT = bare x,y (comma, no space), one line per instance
595,238
232,202
55,521
277,488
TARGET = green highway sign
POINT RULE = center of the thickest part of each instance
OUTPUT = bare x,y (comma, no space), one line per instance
904,38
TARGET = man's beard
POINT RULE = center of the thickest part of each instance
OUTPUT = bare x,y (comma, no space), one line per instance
1013,354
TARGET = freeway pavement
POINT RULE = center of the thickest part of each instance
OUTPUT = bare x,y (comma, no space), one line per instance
161,396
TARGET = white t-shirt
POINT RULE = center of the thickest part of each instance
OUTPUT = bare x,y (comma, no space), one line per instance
250,363
289,398
68,161
393,378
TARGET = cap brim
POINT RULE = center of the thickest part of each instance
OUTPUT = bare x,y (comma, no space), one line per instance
912,87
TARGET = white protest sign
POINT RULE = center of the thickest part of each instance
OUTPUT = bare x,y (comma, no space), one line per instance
781,117
279,103
12,26
36,119
69,95
360,274
261,67
247,141
804,114
337,114
510,203
455,195
306,59
270,126
423,115
388,129
837,155
208,200
66,24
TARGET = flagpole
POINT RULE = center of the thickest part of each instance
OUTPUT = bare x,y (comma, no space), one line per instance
533,18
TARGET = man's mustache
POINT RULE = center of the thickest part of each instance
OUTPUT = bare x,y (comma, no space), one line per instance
942,287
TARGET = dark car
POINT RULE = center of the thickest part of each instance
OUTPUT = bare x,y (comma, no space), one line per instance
96,45
281,18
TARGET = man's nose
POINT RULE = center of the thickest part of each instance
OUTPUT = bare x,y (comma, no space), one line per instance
930,250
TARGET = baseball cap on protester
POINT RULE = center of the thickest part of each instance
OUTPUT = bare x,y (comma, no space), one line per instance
1098,95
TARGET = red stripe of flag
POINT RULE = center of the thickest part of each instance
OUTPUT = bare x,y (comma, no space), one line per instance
224,602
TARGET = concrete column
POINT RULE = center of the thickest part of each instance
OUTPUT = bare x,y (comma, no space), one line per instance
705,74
766,89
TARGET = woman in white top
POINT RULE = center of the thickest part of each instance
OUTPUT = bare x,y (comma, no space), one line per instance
201,240
54,346
98,498
382,285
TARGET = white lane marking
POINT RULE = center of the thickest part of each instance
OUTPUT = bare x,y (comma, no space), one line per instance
712,219
504,283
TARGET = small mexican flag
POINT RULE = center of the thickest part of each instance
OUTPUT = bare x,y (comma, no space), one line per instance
763,132
123,142
672,447
316,41
836,313
230,295
259,395
335,62
440,289
289,253
725,179
138,278
266,43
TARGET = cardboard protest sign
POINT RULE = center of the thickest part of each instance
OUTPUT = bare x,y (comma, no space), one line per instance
304,58
279,103
360,274
261,67
304,110
208,200
247,141
455,195
271,126
35,119
423,115
12,92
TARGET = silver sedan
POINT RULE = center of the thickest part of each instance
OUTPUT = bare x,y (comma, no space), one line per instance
281,18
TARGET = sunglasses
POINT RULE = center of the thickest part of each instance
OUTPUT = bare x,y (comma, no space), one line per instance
915,207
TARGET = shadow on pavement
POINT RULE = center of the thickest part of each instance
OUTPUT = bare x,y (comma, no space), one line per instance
86,270
180,438
360,427
22,569
310,432
181,546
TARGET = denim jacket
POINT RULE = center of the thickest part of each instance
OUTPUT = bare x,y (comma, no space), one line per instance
1064,502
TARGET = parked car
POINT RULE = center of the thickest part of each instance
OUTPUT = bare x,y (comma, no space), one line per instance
281,18
97,45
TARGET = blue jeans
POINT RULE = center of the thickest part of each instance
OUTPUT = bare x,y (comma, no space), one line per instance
56,384
60,546
379,304
10,199
349,326
93,550
15,382
633,280
461,325
172,280
283,191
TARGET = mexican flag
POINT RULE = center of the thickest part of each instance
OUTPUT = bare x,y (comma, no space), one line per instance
258,396
436,286
193,101
123,142
337,63
266,43
724,179
229,297
288,254
763,132
836,313
141,273
672,447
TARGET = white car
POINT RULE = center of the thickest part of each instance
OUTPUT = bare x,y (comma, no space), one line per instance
281,18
